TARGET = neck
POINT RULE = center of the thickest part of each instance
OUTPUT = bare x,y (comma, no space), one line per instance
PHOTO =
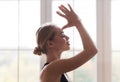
51,56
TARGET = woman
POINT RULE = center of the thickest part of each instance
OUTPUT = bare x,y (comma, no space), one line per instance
52,41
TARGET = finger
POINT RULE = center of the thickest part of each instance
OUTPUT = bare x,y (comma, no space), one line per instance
62,15
65,26
70,7
65,8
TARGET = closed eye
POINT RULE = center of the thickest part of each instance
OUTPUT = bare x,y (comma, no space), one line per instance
62,34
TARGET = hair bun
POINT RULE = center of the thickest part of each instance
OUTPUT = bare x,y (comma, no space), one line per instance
37,51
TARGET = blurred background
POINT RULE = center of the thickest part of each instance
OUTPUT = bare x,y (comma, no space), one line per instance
20,19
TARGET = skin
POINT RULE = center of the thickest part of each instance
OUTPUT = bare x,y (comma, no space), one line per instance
52,72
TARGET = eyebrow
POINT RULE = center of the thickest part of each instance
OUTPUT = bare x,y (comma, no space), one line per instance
61,32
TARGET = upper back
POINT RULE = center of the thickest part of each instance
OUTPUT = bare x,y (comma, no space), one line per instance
48,75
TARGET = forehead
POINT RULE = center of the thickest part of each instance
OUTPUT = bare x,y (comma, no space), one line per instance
59,30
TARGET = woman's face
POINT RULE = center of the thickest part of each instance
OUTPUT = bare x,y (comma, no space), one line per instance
60,40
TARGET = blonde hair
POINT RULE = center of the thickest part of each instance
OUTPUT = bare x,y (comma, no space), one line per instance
45,33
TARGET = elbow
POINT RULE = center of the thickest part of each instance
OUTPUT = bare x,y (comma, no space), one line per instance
93,51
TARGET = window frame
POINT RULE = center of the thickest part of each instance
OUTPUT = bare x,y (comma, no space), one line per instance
104,40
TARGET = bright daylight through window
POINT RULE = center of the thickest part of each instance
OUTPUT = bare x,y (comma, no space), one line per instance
19,20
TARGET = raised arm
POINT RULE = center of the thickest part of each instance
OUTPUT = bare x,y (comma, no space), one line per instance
89,49
73,20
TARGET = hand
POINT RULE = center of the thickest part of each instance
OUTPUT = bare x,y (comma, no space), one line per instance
69,15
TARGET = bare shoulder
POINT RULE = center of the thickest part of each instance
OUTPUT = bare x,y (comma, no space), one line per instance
58,67
54,67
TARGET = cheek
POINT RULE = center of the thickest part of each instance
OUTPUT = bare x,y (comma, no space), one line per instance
60,43
63,45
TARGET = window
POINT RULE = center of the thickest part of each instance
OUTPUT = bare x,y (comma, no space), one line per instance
115,40
19,20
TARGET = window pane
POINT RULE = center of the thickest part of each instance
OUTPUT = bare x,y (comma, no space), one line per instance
87,72
86,9
19,65
115,12
29,22
8,66
19,21
116,66
29,67
8,24
115,18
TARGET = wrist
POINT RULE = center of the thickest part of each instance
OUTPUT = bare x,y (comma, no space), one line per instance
78,22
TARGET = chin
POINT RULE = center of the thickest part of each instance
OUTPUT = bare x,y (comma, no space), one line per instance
67,49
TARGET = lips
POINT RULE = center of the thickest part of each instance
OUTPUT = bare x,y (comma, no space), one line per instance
68,43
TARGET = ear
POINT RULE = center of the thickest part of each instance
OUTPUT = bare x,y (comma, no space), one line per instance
50,44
